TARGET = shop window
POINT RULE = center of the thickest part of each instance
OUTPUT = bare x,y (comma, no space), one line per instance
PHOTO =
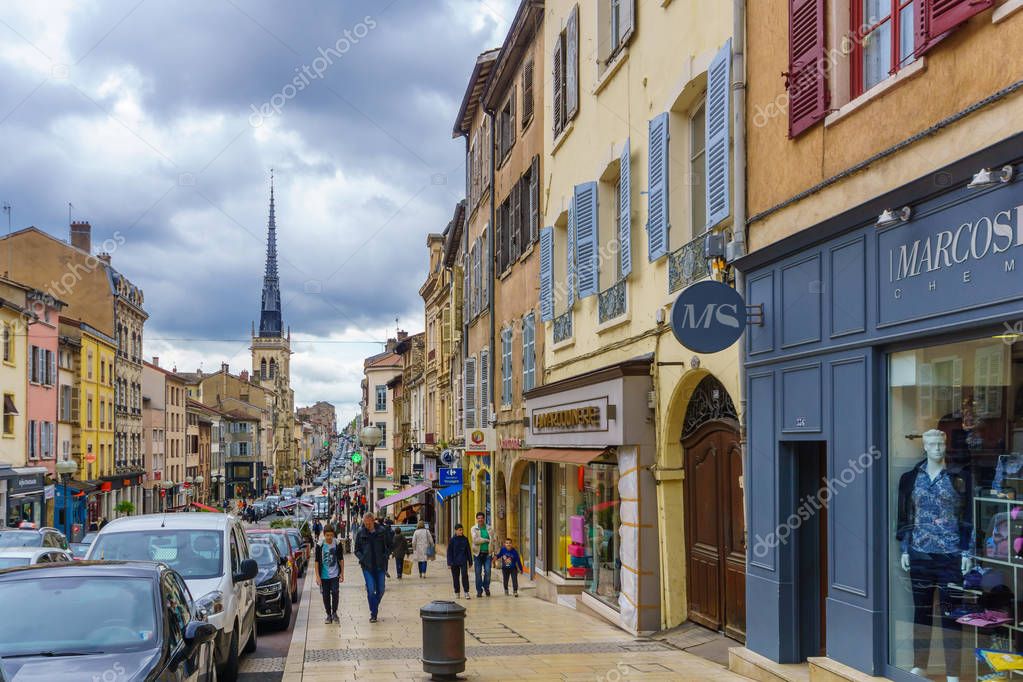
956,495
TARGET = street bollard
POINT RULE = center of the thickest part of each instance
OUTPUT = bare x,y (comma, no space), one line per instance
443,639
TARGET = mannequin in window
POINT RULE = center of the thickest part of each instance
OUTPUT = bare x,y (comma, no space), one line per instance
935,531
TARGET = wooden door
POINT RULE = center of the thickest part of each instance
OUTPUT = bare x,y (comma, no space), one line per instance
715,528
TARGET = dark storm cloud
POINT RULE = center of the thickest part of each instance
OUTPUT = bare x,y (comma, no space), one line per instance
140,115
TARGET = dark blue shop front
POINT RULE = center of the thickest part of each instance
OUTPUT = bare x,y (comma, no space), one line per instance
884,395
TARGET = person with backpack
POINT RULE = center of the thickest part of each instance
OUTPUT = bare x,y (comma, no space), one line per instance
459,557
330,572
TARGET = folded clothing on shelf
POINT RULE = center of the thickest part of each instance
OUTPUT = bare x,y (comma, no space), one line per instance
984,619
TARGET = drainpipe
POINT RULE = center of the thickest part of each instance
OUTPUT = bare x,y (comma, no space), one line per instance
490,307
737,247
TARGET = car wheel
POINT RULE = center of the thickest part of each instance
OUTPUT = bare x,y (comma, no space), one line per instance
250,646
229,671
285,622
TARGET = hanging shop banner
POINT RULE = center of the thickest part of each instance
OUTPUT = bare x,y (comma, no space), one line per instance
708,317
480,441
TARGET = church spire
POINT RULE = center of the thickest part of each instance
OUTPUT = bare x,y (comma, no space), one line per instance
270,316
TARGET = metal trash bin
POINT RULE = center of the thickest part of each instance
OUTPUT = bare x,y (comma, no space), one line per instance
443,639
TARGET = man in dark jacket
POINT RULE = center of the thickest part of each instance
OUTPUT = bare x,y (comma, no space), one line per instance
373,550
459,557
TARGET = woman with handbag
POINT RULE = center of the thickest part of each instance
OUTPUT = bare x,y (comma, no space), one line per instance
422,547
401,549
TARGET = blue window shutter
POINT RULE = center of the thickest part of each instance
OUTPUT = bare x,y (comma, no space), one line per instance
586,256
657,190
717,125
625,212
547,274
570,278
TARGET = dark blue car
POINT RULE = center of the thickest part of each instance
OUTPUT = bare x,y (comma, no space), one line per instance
102,620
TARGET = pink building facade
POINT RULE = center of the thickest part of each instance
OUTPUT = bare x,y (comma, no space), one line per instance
42,393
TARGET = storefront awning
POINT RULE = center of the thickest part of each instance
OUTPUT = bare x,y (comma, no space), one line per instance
205,507
575,456
403,495
446,493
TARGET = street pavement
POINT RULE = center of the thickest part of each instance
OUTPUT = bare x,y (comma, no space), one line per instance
506,638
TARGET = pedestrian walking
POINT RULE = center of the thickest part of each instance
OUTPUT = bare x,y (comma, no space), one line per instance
459,558
373,548
422,546
400,551
317,529
511,565
330,572
482,535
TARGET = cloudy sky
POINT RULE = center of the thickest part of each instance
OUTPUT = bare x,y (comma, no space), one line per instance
161,120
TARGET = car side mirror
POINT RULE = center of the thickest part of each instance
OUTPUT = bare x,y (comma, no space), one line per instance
246,571
198,632
284,561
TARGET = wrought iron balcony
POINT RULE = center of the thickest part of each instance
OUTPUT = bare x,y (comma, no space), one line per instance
563,327
611,302
686,265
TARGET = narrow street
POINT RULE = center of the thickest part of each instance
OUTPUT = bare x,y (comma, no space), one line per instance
505,638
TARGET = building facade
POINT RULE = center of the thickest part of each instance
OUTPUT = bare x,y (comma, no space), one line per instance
884,238
378,410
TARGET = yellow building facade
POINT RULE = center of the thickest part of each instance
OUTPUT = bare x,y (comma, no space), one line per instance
13,373
626,202
96,404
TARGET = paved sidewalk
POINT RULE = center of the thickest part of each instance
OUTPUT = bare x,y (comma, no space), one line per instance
506,638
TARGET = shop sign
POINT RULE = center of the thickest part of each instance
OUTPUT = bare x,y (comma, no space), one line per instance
512,444
23,484
452,476
405,479
708,317
583,416
953,259
90,457
480,441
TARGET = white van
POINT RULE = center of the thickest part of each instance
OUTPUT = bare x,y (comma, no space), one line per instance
211,553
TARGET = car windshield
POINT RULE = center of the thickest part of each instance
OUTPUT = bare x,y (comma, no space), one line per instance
279,541
264,555
96,614
12,561
192,553
21,538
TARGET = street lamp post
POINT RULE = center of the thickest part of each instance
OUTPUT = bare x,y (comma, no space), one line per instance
66,467
199,481
370,436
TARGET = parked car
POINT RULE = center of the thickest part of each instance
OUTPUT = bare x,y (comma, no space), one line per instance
78,550
34,537
273,585
11,557
271,502
129,621
210,551
283,544
296,538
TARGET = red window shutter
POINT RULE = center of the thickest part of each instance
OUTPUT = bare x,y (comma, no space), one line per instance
935,18
806,80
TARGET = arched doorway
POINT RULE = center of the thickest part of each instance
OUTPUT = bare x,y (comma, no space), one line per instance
715,524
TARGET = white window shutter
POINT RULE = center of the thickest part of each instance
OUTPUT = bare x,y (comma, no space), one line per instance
586,254
625,208
717,126
657,189
547,274
572,64
484,388
626,20
470,393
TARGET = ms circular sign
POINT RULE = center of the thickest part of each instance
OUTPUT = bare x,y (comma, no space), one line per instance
708,317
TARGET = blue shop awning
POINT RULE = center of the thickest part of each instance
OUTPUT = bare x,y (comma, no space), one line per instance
445,493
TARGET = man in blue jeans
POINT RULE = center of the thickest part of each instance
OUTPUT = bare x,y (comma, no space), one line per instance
373,549
482,536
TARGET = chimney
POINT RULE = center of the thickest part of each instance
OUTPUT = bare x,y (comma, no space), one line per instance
156,361
391,344
244,376
105,257
81,235
402,335
224,368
